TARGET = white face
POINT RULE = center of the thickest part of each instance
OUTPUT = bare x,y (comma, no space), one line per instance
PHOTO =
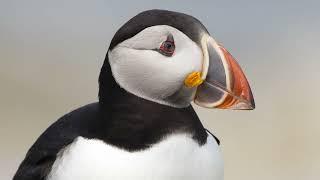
139,67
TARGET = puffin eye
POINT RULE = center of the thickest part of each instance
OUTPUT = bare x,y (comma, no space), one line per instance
167,47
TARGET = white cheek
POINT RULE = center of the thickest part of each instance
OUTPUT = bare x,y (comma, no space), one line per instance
144,72
188,59
148,74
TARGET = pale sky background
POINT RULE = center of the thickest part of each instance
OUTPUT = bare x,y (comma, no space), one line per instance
51,53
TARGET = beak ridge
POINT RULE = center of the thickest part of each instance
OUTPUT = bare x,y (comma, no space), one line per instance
240,96
225,85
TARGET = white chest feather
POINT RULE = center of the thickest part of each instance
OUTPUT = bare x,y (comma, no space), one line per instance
176,157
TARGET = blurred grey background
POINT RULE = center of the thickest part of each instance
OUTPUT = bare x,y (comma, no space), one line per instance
51,53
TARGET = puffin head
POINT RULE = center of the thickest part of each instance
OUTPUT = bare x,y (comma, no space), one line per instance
171,59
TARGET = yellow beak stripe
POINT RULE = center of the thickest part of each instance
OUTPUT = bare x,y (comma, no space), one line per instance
193,80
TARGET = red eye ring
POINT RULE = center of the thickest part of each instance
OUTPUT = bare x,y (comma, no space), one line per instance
167,48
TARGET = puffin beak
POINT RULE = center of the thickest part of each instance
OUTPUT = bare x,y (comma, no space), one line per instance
224,84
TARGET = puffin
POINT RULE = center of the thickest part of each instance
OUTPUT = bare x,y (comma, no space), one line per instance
143,125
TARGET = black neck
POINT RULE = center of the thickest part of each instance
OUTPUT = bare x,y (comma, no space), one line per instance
135,123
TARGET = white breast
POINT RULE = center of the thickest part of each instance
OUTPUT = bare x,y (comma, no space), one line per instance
176,157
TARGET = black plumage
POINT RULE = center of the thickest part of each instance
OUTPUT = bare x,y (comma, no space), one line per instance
119,118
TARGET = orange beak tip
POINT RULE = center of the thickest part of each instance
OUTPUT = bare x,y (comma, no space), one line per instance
225,86
241,91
